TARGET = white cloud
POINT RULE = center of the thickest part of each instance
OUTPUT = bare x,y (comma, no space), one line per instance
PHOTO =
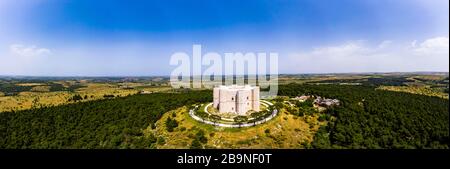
429,55
385,44
439,45
28,51
413,43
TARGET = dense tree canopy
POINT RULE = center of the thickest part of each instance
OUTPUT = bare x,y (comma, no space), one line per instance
367,118
14,89
372,81
109,123
370,118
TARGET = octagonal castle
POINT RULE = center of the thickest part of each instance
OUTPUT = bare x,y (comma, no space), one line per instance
236,99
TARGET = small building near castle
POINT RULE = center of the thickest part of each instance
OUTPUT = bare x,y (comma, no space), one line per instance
236,99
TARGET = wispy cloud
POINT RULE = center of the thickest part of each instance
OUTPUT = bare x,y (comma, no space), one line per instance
429,55
439,45
28,51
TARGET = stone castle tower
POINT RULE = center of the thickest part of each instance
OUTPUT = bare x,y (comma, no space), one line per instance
236,99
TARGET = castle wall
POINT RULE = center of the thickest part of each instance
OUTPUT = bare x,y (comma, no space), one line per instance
243,101
236,99
227,102
216,95
255,99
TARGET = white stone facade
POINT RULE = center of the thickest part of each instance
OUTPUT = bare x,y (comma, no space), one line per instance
236,99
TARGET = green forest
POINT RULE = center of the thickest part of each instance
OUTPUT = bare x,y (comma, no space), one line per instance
12,89
109,123
367,118
372,81
370,118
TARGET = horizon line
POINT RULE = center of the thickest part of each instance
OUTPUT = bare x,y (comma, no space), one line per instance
309,73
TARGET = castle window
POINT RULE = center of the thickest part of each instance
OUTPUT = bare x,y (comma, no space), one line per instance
247,97
232,98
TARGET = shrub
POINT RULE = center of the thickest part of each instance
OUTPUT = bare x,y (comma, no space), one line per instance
161,140
200,136
196,144
171,124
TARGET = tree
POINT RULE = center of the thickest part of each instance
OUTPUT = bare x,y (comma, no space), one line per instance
255,116
278,105
200,136
215,118
171,124
196,144
161,140
240,119
76,98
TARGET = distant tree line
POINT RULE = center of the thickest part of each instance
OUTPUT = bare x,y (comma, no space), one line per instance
12,89
372,81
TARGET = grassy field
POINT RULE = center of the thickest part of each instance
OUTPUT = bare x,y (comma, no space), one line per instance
27,100
422,90
423,84
283,79
39,97
41,92
25,93
45,93
284,131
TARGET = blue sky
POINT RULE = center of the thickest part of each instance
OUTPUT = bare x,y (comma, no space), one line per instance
108,37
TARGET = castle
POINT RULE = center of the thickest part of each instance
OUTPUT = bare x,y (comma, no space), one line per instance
236,99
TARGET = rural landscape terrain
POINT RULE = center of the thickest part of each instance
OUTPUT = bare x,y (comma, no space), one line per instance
376,110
